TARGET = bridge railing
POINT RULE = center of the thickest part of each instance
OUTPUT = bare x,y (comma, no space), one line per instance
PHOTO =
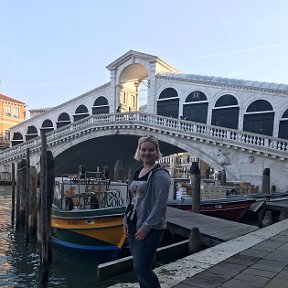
276,146
216,132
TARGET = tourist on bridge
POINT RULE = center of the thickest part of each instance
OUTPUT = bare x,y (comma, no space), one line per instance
118,109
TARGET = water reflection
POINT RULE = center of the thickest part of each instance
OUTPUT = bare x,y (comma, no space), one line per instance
20,263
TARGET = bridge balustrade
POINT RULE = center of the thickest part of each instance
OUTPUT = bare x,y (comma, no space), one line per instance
275,146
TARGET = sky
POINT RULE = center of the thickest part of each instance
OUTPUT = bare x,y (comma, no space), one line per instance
54,50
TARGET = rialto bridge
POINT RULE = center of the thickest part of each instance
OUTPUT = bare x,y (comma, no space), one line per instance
237,125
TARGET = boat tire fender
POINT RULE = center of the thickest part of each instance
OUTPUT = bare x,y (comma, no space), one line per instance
69,204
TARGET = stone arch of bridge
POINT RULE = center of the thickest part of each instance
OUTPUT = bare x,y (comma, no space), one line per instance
174,146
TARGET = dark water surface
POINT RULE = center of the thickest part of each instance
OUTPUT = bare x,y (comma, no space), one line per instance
20,263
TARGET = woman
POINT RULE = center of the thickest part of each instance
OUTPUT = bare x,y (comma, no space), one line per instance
145,216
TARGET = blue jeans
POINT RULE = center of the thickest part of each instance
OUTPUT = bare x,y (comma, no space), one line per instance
143,253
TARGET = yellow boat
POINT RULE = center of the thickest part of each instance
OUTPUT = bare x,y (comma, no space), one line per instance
90,218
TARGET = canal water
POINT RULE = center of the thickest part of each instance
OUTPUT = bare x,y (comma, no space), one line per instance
20,263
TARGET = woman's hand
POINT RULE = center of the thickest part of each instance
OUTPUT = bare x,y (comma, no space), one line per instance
140,234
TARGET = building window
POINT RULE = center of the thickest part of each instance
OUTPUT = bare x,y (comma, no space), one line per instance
196,96
7,111
16,112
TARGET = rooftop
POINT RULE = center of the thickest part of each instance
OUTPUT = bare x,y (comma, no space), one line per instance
6,98
230,81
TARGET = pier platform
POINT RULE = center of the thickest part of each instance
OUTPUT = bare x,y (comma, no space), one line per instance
256,259
213,230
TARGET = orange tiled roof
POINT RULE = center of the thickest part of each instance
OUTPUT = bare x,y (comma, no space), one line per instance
6,98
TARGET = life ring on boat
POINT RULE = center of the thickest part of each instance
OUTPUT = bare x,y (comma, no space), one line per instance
69,204
94,203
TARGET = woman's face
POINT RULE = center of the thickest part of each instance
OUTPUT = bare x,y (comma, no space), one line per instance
148,152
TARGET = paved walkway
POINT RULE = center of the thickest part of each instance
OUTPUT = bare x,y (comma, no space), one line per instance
257,259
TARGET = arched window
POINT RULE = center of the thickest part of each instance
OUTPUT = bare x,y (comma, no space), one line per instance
168,103
226,112
81,109
100,106
196,96
63,119
80,113
168,93
31,132
259,105
283,126
259,118
226,100
17,138
195,107
47,126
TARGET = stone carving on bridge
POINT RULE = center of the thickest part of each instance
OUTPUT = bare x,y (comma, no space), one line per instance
223,158
251,158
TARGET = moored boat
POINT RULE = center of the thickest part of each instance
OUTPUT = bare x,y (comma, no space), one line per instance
261,198
92,230
89,215
233,208
213,199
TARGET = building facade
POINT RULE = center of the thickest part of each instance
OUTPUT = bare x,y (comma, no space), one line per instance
12,112
36,112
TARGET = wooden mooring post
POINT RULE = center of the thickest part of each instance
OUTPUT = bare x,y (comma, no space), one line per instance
223,177
27,181
34,213
46,197
13,194
26,195
195,185
118,171
50,196
32,202
17,210
266,181
21,199
195,244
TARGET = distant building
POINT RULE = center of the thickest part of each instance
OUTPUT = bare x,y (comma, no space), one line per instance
12,112
179,165
36,112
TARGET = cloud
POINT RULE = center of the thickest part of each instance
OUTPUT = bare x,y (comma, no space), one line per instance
242,50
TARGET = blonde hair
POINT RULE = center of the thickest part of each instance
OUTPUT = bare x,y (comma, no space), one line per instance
147,138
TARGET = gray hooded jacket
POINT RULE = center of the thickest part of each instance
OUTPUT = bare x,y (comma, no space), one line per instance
151,213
